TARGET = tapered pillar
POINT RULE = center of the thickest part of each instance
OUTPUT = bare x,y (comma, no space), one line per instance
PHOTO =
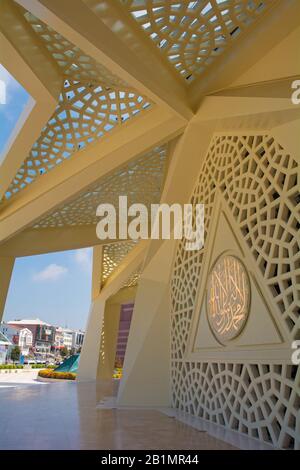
109,338
97,271
90,353
88,363
146,371
6,268
109,335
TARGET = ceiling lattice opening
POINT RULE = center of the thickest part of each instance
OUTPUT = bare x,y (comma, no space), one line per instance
85,113
92,103
113,255
71,60
141,180
193,34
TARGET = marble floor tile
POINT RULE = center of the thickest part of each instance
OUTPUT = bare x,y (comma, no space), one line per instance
65,416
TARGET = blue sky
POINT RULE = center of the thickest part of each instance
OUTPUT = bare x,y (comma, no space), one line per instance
54,287
16,100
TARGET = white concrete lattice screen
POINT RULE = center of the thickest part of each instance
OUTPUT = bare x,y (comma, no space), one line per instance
259,182
72,61
85,113
260,400
133,280
113,255
192,34
92,103
141,180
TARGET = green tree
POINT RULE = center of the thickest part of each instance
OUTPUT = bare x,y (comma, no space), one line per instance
15,353
64,351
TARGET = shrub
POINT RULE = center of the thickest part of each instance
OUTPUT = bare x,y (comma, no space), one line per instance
11,366
50,374
117,373
42,366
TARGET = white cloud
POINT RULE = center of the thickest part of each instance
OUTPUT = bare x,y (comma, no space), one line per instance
11,84
5,76
52,272
83,257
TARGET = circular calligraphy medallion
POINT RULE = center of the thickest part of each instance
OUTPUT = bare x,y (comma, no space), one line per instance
228,298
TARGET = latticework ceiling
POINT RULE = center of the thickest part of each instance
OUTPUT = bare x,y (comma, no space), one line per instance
85,113
73,62
113,255
92,102
191,35
133,280
141,180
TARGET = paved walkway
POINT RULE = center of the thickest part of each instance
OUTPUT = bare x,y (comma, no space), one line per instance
64,416
18,378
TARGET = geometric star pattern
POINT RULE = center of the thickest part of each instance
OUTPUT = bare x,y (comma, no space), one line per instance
85,113
93,101
259,400
113,254
133,280
72,61
140,179
193,34
259,181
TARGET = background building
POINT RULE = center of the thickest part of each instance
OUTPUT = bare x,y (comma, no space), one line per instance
77,340
21,337
25,341
67,338
44,340
40,338
5,345
34,325
11,332
59,339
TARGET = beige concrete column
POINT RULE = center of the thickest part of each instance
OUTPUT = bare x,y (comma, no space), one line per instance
97,271
6,268
90,353
110,329
146,372
109,339
88,363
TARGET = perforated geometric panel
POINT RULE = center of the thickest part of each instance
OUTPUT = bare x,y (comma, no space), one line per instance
192,34
85,113
72,61
141,180
259,400
258,180
113,255
93,101
133,280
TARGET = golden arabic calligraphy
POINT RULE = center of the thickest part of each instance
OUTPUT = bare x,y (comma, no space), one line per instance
228,297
